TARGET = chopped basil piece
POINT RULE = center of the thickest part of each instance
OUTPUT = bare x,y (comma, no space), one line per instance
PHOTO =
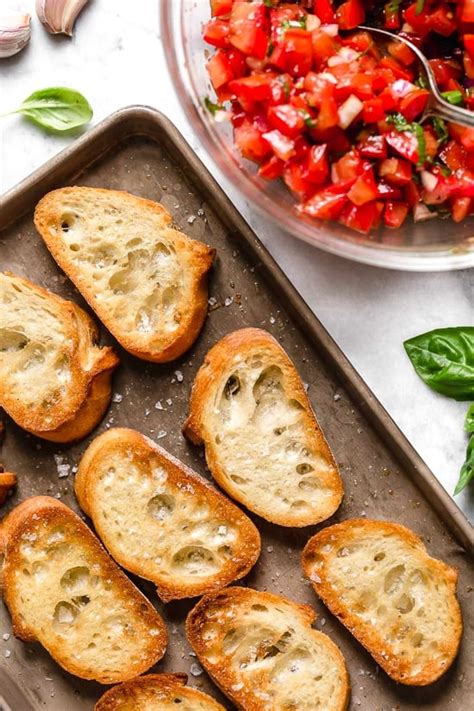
212,107
440,129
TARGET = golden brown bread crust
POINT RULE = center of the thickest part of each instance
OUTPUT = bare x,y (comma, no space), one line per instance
47,217
30,519
7,483
122,441
156,687
244,342
374,639
74,416
225,609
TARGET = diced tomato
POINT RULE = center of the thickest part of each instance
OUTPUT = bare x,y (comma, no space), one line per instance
295,177
328,116
248,28
388,192
418,19
405,143
294,52
287,119
373,111
250,142
392,16
362,218
395,214
453,155
317,164
350,14
255,88
216,32
221,7
401,52
323,45
468,41
272,169
462,134
324,205
460,208
347,169
442,21
324,10
364,189
414,103
444,70
399,71
396,171
412,194
467,11
220,69
374,147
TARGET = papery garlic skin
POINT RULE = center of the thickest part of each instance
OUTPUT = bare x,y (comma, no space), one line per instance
15,33
59,16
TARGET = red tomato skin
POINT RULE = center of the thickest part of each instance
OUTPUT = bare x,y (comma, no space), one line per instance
324,205
374,147
350,14
395,214
216,33
250,142
317,164
396,171
286,119
414,103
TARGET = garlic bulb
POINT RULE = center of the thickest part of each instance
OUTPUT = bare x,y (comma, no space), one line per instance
15,33
59,16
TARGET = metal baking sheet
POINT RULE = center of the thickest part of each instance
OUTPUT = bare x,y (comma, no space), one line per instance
139,150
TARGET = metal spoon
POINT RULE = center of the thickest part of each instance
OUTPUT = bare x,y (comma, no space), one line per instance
437,106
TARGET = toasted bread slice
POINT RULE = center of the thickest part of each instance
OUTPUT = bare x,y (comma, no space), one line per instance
160,520
263,444
156,692
378,579
146,281
64,591
262,652
54,379
7,483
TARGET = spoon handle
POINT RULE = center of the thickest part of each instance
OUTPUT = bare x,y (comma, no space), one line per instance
455,114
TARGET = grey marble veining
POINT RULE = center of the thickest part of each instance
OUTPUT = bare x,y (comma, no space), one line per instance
116,59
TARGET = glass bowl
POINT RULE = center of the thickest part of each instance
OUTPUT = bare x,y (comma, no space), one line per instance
434,245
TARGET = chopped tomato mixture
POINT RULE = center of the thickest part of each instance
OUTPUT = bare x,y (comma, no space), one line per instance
315,102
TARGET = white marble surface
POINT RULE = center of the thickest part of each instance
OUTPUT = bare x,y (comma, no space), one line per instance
116,59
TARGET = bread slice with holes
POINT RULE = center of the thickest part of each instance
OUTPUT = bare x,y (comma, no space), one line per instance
378,579
65,592
160,520
263,443
262,652
146,281
7,483
55,381
156,692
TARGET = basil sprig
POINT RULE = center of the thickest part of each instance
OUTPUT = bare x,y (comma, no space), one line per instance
56,109
444,359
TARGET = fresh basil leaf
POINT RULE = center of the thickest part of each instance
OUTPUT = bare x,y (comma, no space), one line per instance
469,421
467,469
56,109
444,359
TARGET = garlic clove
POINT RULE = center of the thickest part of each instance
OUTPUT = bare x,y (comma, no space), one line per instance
59,16
15,33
